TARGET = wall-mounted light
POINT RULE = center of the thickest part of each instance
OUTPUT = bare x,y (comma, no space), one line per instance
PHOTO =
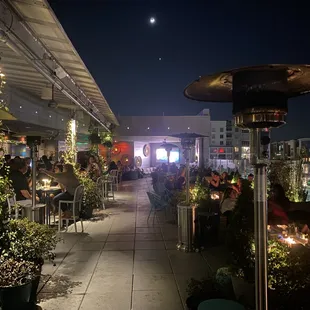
188,128
168,128
148,128
20,107
36,112
50,116
62,119
127,127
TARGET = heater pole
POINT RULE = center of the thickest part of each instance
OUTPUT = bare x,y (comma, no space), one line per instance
187,153
260,223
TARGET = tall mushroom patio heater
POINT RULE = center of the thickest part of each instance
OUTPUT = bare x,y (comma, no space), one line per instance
186,213
259,95
168,148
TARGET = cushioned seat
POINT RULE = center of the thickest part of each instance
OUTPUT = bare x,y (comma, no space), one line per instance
220,304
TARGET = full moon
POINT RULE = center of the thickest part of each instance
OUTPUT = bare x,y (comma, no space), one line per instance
152,20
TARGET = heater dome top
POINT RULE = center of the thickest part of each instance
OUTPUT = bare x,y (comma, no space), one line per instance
219,87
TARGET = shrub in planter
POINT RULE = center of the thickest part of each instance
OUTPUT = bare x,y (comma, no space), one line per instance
91,199
288,268
24,240
15,283
200,290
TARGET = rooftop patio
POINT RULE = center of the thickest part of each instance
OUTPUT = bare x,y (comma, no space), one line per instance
121,262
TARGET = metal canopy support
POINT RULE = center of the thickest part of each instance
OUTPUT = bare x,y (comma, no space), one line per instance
20,38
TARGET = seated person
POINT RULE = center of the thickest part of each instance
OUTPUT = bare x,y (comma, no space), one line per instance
19,180
69,181
215,181
278,205
228,203
251,178
238,186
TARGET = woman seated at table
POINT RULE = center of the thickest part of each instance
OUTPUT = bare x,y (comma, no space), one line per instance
93,169
180,181
70,182
238,186
228,204
215,182
278,205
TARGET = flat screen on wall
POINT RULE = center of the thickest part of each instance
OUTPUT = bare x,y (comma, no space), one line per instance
161,156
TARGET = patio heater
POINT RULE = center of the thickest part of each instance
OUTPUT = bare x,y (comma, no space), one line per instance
186,213
168,148
259,95
33,142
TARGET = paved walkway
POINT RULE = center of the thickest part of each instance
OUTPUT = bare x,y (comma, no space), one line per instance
121,262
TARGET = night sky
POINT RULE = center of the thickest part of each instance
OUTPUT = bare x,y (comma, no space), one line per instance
122,49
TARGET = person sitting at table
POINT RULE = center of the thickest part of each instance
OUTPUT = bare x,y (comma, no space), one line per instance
19,180
238,186
93,169
215,181
278,205
228,203
47,163
70,182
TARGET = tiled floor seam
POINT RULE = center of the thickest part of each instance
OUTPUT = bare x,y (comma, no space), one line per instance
94,269
174,276
50,276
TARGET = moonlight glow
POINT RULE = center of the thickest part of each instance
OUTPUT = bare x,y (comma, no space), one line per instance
152,20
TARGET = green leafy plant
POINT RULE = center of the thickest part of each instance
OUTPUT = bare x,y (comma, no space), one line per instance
288,173
16,273
91,198
30,241
71,139
107,140
200,194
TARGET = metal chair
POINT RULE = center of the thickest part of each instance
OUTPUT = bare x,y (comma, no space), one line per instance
108,187
76,207
114,175
157,204
12,204
101,188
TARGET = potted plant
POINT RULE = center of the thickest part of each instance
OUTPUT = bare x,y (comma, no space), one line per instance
91,199
15,283
24,240
201,290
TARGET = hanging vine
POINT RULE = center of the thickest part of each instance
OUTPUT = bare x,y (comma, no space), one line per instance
5,183
71,139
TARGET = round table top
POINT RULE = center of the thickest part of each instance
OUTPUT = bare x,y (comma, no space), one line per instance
220,304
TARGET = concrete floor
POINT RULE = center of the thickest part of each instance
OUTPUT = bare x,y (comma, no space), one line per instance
121,262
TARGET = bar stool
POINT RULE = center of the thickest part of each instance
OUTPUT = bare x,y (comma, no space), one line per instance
108,188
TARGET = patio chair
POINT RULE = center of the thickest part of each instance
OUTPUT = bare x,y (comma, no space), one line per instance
101,190
76,208
157,204
12,205
114,176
